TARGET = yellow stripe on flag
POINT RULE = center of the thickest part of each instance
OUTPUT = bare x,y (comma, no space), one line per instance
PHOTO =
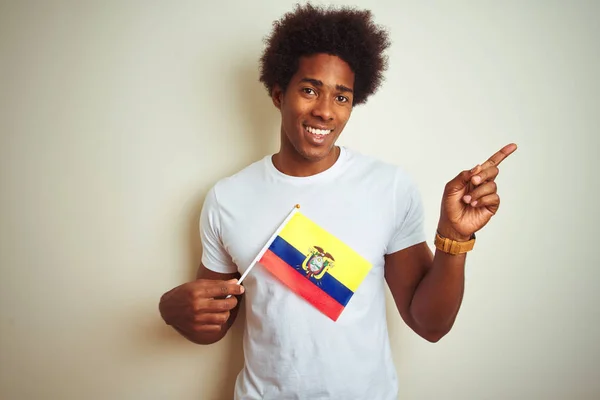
349,267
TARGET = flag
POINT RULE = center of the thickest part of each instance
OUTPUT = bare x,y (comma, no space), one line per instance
314,264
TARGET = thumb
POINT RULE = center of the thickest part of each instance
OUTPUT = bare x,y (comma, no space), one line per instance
462,180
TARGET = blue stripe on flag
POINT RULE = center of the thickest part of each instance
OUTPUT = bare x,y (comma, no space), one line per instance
295,258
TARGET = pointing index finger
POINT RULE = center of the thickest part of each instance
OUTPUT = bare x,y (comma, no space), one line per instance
497,158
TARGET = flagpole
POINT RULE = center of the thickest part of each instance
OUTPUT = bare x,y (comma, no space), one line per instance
265,248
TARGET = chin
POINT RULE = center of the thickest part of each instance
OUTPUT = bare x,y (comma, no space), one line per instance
315,154
312,157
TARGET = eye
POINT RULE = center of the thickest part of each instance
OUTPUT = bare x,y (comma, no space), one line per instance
342,99
308,91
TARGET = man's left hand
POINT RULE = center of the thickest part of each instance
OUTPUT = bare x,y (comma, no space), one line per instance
470,200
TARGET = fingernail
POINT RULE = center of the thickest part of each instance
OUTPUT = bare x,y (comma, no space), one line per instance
476,179
241,289
467,199
474,203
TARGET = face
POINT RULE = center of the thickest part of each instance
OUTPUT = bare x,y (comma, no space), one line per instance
315,107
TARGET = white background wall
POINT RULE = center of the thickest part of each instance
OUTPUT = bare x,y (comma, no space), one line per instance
117,116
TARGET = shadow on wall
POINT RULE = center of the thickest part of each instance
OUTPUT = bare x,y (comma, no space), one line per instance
255,132
262,117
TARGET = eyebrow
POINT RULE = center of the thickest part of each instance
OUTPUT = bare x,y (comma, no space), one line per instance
319,83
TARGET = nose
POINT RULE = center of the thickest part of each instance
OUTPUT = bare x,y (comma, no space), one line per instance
323,109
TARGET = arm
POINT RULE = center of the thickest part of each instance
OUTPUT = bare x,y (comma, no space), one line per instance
428,289
198,310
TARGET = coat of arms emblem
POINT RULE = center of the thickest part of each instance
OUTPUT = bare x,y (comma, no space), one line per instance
317,262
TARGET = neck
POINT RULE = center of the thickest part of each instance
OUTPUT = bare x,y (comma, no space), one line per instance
289,162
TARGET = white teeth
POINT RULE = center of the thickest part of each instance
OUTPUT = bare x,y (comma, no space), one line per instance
315,131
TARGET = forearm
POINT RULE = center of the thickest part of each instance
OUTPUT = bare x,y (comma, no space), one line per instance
438,296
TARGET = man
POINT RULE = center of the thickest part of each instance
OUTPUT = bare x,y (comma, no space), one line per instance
318,65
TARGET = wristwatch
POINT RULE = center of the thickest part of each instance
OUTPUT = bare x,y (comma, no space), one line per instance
452,246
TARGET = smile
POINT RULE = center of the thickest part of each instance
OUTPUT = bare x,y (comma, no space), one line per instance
318,132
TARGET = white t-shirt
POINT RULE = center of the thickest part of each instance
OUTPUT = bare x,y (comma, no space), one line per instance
292,350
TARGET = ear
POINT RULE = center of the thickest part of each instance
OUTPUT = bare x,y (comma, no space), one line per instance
277,96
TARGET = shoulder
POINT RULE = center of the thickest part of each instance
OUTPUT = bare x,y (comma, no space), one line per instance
369,168
239,183
228,191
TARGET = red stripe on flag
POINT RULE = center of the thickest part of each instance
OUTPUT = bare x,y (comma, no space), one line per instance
301,285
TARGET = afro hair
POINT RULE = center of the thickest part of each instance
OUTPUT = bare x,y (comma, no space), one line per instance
345,32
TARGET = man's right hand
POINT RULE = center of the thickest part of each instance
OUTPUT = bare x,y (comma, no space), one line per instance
199,309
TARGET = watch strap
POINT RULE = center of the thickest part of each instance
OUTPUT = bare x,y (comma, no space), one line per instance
453,247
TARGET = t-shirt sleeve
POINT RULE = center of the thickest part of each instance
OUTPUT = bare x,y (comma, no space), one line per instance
214,255
409,216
